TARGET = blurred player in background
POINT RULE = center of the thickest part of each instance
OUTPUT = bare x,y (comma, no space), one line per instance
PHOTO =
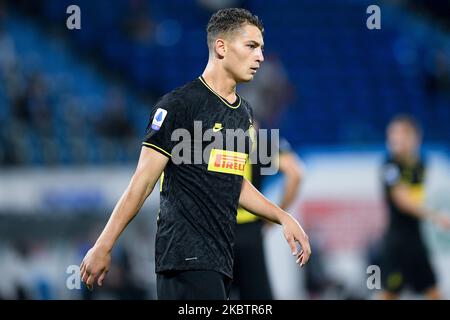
405,260
199,201
250,276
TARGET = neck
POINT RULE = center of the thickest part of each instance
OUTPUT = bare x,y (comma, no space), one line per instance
220,81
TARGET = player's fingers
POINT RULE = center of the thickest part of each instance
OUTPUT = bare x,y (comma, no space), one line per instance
305,257
85,276
291,243
82,268
299,257
100,279
90,281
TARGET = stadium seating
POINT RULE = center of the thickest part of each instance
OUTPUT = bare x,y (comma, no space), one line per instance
348,80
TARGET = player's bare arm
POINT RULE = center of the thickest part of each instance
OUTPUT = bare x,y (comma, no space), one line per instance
252,200
96,263
401,197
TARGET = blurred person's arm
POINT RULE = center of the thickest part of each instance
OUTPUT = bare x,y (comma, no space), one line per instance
402,199
149,168
292,169
252,200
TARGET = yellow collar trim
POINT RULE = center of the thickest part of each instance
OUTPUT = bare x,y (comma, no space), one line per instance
222,99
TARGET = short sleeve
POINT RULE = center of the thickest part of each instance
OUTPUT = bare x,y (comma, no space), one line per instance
391,174
164,119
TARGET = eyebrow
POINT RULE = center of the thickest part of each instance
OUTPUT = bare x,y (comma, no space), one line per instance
256,43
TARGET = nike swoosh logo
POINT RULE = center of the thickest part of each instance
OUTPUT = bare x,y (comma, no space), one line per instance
217,127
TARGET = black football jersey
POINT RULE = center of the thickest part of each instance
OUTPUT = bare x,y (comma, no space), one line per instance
201,133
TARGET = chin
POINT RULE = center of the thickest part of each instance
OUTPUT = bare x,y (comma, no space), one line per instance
243,77
247,79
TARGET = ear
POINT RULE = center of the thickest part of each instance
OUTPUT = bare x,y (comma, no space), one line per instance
220,47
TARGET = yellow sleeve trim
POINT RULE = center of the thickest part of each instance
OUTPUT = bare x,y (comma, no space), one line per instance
161,181
156,147
244,216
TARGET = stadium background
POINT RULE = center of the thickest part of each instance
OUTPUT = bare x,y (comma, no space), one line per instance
74,105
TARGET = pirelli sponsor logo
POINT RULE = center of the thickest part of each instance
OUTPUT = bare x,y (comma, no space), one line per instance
227,161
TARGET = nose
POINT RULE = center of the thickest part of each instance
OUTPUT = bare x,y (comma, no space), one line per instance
260,56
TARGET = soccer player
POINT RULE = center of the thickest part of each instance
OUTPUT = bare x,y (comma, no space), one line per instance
405,260
199,200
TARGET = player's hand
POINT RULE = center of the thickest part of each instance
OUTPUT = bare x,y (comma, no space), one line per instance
95,265
293,233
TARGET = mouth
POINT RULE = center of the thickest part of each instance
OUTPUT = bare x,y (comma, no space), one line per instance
254,69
